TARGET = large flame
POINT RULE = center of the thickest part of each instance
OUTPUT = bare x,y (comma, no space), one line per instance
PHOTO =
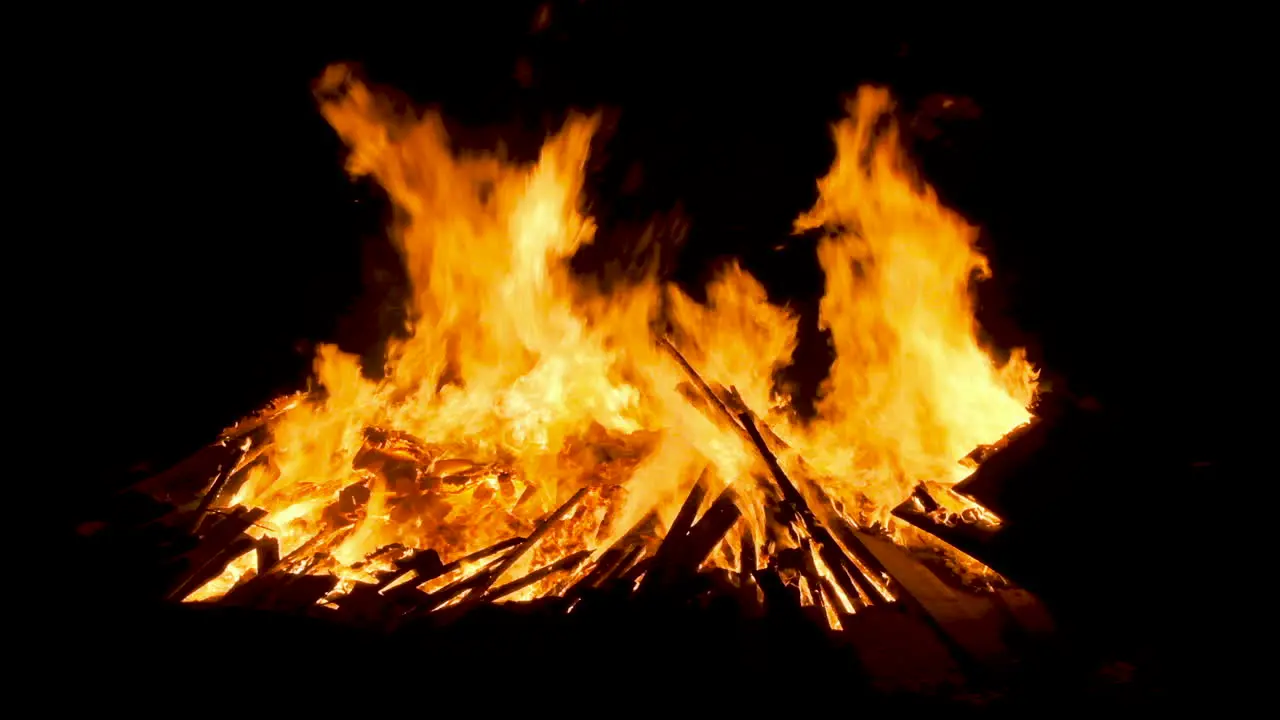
516,385
911,390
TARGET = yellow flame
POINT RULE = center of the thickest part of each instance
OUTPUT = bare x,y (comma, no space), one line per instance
911,390
516,384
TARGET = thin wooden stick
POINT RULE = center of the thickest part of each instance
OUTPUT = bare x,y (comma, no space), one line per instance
569,562
726,415
431,601
424,577
225,471
612,557
524,547
830,552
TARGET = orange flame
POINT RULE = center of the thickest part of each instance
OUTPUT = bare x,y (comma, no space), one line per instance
516,385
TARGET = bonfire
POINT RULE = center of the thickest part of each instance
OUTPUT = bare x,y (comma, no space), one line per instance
534,436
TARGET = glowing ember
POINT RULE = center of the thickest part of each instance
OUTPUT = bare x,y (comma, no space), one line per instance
519,388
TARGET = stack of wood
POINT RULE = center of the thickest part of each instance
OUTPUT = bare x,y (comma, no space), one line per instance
905,623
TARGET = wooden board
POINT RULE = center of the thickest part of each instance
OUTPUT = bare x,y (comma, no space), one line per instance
971,622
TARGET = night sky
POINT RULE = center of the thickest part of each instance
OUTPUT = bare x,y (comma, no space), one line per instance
218,237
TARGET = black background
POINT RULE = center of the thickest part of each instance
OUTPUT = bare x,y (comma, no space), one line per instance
206,235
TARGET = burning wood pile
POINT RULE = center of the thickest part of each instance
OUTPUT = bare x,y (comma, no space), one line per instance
535,439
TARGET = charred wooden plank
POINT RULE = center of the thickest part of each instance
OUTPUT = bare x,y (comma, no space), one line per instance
300,592
684,518
605,564
845,570
747,556
1002,465
871,573
425,564
184,482
633,573
768,443
260,420
670,550
253,592
268,554
211,555
212,567
704,536
779,601
481,578
212,495
409,589
362,605
614,556
902,652
569,562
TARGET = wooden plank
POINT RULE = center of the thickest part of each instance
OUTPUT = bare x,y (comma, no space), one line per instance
969,621
901,652
268,554
974,539
661,568
300,592
710,530
211,554
842,568
614,556
1026,612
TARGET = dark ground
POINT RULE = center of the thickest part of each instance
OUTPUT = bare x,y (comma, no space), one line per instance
207,236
